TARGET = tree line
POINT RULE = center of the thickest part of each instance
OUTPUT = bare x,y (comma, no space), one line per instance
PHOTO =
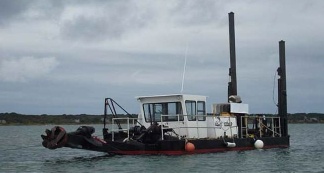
22,119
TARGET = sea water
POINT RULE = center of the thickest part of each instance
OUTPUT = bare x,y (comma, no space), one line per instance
21,151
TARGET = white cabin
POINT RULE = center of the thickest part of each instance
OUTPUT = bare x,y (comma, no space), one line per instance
186,115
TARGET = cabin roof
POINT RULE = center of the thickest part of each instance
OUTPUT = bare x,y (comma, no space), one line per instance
171,97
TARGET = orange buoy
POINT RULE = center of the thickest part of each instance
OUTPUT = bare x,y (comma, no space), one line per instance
189,147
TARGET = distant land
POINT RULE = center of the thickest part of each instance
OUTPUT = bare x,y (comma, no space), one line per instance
21,119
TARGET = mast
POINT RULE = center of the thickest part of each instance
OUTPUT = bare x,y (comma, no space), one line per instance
232,84
282,90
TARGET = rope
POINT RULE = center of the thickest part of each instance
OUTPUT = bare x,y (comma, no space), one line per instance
269,128
175,133
273,90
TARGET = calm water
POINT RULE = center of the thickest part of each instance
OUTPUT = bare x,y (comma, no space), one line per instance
21,151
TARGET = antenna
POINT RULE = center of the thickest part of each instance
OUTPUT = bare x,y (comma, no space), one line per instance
184,70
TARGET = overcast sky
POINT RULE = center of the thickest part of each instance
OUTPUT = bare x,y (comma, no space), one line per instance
65,57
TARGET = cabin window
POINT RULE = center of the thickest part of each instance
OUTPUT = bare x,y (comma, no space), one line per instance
153,111
191,110
173,109
157,111
148,108
201,110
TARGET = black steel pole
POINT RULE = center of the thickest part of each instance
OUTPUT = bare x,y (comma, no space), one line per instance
105,112
282,89
232,84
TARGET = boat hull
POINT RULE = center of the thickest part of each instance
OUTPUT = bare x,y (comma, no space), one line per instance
172,147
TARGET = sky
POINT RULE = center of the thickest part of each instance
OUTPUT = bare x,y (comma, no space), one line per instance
65,57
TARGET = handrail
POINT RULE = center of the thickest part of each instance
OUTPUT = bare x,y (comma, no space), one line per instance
274,126
113,130
259,124
112,104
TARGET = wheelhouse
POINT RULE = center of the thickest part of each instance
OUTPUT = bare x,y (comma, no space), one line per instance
167,108
178,111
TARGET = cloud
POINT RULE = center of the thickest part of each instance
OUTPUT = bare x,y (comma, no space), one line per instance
110,20
127,48
26,68
191,12
12,9
20,10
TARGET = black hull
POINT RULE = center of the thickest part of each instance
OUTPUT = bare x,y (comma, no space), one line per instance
171,147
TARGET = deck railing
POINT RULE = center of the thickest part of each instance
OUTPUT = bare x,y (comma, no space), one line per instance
114,130
261,126
250,125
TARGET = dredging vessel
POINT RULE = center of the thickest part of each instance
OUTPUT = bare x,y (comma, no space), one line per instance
178,124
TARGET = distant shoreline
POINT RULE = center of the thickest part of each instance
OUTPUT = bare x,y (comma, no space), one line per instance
16,119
